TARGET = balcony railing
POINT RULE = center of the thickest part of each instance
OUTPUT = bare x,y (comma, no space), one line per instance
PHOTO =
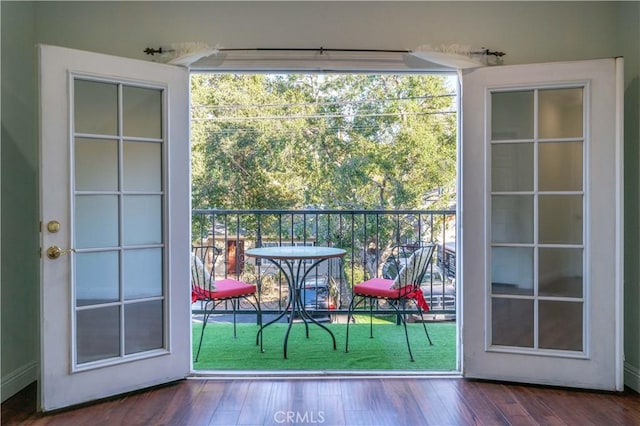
221,238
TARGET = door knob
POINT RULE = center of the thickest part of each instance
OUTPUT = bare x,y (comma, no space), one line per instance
55,252
53,226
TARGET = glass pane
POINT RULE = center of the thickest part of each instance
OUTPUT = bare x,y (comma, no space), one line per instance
512,167
142,273
560,325
98,334
96,165
142,112
512,270
560,113
143,326
512,115
560,219
97,278
560,166
142,219
96,221
142,166
512,322
95,107
560,272
512,219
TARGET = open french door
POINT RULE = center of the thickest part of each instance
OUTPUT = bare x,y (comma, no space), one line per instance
115,232
542,223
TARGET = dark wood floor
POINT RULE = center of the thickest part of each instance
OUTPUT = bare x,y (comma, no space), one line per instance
437,401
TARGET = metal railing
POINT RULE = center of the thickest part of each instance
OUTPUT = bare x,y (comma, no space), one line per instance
368,236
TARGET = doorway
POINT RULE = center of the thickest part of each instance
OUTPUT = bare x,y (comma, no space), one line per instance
313,148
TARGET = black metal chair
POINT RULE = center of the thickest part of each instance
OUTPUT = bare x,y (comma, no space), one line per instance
212,292
411,262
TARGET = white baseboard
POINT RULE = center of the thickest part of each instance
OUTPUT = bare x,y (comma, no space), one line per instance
632,377
18,379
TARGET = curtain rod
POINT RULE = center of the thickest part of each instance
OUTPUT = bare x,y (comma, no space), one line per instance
151,51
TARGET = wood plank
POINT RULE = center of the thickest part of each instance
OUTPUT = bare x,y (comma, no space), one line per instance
207,402
255,408
505,401
402,397
363,395
431,404
534,405
483,410
461,409
149,405
331,410
360,418
281,401
379,402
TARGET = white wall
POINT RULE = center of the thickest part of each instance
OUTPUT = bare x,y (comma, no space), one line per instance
527,31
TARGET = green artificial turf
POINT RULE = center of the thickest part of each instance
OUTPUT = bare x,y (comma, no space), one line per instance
386,351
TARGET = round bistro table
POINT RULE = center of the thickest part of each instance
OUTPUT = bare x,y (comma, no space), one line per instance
291,261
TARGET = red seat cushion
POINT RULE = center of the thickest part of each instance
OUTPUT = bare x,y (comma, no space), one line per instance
225,289
380,287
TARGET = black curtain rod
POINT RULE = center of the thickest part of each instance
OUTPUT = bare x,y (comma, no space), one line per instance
151,51
317,49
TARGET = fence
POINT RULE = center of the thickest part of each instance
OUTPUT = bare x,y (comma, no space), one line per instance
368,236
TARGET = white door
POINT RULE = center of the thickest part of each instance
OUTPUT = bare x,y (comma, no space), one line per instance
541,223
115,225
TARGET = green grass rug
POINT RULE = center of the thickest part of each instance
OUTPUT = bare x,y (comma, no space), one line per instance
386,351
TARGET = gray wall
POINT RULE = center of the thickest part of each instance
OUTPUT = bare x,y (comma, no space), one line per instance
628,40
528,31
19,175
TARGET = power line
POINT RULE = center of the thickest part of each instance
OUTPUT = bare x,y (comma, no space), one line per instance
311,116
230,130
287,132
327,103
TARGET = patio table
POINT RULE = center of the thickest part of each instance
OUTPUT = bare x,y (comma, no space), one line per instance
291,261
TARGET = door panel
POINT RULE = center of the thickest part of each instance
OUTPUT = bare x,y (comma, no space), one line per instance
115,304
541,224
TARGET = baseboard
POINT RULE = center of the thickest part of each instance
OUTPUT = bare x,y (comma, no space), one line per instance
632,377
18,379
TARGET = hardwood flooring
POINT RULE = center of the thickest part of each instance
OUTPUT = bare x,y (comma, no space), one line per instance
380,402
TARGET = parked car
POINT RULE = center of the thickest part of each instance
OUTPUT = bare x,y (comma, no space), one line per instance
319,293
439,292
394,263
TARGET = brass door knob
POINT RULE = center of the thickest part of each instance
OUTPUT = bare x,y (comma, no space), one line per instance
55,252
53,226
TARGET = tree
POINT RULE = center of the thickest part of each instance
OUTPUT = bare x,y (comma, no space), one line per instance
327,140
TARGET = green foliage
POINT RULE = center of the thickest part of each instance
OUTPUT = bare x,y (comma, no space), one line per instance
327,140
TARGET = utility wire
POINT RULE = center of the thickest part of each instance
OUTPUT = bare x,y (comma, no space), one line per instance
327,103
310,116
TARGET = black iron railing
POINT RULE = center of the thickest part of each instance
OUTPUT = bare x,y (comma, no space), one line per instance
368,236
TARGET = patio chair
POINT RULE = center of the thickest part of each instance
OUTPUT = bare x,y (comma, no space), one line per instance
405,287
212,292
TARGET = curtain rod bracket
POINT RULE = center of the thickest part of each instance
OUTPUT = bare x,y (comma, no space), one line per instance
151,51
